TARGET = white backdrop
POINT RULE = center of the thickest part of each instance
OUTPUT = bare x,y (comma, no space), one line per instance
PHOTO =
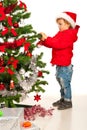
43,15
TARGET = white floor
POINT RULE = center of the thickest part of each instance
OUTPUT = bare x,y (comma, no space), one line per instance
71,119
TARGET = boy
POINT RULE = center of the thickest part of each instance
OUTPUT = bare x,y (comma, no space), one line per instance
62,47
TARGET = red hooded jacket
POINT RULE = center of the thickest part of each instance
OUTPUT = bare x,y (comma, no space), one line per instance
62,46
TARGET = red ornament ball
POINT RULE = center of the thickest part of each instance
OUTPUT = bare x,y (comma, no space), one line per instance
29,54
40,73
1,4
16,25
2,86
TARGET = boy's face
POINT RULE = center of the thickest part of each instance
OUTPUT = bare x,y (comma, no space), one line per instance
62,24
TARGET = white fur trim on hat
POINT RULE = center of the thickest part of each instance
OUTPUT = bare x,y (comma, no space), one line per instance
68,18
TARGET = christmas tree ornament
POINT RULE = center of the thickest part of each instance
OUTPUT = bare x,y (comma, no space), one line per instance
22,71
2,86
12,84
1,4
40,73
27,74
37,97
29,54
15,25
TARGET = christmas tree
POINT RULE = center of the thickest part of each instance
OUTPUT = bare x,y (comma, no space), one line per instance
21,71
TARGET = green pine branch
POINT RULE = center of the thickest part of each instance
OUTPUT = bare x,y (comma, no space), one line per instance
6,3
9,100
27,29
37,87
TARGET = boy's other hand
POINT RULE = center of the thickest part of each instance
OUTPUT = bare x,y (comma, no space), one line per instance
44,36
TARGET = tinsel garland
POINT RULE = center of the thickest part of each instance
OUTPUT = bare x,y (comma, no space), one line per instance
31,113
27,84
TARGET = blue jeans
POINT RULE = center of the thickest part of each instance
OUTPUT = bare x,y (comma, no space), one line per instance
63,76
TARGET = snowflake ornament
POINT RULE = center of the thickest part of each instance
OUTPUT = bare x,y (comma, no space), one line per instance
37,97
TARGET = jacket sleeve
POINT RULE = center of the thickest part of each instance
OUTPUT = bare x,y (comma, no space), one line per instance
59,42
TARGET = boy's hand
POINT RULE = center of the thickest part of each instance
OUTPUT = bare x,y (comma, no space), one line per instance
44,36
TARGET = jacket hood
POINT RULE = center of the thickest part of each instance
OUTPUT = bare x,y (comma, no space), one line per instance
75,32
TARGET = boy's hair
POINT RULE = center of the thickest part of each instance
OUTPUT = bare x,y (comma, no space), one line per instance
65,21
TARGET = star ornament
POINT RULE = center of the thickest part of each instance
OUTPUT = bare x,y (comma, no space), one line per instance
37,97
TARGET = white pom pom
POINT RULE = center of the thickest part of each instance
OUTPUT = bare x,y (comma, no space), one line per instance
21,50
10,39
22,71
1,40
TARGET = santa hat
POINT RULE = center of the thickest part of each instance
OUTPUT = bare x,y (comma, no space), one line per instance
69,16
